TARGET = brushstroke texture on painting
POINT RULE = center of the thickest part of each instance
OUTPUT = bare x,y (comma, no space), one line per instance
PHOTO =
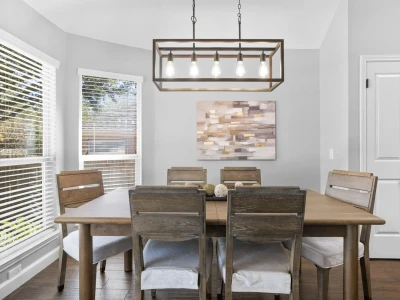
236,130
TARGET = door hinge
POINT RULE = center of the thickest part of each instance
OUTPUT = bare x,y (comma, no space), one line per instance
367,83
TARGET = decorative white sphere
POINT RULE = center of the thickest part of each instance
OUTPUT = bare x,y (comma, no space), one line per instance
238,184
221,190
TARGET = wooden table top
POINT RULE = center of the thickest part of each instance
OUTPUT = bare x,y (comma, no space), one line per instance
113,208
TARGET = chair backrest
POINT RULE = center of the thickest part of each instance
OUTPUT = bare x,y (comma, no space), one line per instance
167,213
356,188
247,175
183,175
76,188
266,214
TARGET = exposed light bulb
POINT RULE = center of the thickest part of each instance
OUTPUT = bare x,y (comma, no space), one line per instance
194,69
216,69
263,71
170,69
240,70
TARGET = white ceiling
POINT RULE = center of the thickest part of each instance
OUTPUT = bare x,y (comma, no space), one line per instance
302,23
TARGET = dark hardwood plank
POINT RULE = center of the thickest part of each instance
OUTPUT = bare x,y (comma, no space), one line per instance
114,283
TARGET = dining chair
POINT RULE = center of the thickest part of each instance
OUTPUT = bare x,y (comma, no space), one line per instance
76,188
247,175
355,188
184,175
252,258
177,254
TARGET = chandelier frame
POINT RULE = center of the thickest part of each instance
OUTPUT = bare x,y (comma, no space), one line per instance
161,52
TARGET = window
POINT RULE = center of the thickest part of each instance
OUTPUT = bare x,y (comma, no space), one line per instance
27,142
110,139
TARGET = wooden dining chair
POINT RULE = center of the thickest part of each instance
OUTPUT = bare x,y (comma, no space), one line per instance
355,188
185,175
177,254
252,258
247,175
76,188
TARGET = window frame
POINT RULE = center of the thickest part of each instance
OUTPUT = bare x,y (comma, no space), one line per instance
24,248
136,157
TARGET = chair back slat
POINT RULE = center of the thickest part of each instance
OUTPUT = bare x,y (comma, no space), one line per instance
182,175
274,227
76,188
82,195
357,188
169,225
247,175
159,202
170,210
272,213
70,179
79,187
280,200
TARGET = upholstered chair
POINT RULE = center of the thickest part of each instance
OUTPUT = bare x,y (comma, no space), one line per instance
252,258
76,188
358,189
177,254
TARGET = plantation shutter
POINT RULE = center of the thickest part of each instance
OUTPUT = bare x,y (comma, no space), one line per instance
111,133
27,145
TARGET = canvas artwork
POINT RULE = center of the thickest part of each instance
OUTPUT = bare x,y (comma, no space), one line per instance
236,130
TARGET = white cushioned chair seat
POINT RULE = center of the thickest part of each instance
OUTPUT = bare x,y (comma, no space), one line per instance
325,252
103,246
173,265
257,267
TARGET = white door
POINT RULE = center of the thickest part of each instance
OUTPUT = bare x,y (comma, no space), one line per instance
383,153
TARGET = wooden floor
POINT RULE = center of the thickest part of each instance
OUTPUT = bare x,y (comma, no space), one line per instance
115,284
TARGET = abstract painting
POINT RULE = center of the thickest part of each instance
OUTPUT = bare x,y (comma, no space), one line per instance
236,130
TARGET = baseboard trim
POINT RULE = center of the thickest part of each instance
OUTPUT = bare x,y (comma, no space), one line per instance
9,286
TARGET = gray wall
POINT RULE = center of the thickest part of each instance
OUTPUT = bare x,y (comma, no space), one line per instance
169,119
334,98
373,30
297,108
38,32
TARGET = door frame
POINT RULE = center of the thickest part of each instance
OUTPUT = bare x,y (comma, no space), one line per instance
364,60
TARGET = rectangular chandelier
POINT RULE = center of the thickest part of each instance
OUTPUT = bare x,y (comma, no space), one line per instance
237,65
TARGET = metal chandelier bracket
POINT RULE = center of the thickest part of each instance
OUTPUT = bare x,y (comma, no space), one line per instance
209,64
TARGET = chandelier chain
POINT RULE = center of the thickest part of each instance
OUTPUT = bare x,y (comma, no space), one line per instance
240,24
194,20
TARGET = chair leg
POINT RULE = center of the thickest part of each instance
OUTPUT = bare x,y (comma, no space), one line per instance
139,293
300,268
228,291
128,261
202,289
103,266
209,286
219,296
62,266
94,270
277,297
153,294
366,276
323,283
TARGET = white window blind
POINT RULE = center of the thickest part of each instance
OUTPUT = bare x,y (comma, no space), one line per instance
111,127
27,145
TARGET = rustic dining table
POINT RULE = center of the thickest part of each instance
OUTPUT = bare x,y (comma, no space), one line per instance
109,215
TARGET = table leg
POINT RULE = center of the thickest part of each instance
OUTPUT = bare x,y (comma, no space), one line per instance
350,268
86,291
